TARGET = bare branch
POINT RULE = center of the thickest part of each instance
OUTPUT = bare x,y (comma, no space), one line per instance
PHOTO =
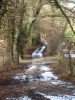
58,6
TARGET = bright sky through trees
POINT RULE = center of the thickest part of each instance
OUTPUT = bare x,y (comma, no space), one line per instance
70,4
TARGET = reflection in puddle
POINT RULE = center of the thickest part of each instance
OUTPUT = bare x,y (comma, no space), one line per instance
31,74
62,83
59,97
20,77
45,74
44,68
48,76
65,97
46,97
20,98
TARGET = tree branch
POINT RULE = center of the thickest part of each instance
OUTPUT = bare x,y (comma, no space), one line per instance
58,6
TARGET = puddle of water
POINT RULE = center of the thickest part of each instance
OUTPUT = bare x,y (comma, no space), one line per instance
32,66
59,82
59,97
30,73
48,76
47,72
20,98
44,68
65,97
49,97
24,78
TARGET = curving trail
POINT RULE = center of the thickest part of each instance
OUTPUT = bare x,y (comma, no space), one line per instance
37,81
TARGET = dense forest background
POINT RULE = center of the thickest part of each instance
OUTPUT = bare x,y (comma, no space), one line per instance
23,21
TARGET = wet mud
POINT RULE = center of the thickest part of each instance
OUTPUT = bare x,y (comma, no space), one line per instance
36,82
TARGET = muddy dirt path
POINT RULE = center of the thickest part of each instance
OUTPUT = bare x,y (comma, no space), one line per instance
37,81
